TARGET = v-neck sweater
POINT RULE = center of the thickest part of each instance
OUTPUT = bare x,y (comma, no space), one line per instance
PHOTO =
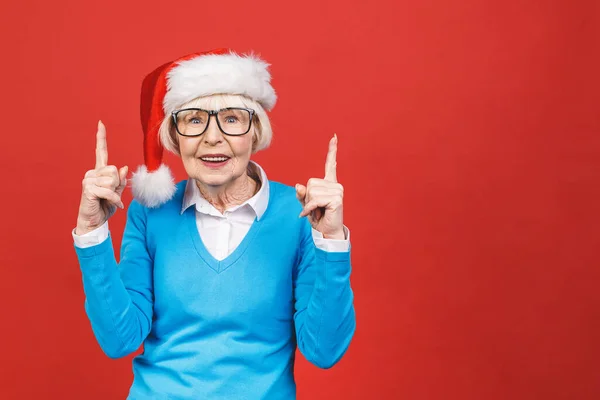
218,329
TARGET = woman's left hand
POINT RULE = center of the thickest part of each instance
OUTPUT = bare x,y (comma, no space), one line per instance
322,199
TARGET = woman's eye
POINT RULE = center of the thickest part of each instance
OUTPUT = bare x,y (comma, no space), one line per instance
195,121
231,120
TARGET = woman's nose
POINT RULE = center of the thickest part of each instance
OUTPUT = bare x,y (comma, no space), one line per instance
213,134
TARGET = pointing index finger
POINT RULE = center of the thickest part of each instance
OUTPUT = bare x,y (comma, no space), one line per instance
331,162
101,150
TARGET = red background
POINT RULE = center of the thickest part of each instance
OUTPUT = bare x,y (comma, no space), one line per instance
469,150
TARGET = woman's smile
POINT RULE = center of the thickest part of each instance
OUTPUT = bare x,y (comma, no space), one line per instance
214,161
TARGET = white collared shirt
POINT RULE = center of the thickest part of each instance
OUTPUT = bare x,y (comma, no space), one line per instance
221,233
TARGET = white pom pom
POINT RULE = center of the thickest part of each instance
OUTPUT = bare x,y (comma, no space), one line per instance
153,188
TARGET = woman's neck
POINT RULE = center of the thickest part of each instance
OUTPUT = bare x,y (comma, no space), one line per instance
222,198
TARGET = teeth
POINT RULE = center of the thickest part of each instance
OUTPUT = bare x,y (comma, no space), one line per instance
214,159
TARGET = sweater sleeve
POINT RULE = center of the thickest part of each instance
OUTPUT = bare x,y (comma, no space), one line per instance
324,311
119,298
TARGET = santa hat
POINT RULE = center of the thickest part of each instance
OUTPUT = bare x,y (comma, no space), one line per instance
175,83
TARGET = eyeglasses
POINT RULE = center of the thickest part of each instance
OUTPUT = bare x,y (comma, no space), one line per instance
232,121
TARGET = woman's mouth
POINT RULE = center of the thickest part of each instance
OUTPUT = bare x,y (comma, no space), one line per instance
214,160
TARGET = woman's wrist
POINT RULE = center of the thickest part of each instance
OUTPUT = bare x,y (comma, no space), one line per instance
84,227
335,236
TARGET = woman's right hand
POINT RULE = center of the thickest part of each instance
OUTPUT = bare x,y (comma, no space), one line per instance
102,189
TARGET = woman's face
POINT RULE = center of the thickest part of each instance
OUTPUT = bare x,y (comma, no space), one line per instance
214,158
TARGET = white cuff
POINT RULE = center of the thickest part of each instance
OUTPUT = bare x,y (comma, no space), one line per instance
92,238
332,245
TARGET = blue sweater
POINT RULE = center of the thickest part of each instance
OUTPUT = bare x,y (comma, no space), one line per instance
218,329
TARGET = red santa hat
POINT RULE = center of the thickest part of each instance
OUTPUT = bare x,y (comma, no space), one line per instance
175,83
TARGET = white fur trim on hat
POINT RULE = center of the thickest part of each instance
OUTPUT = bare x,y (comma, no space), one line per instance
219,74
153,188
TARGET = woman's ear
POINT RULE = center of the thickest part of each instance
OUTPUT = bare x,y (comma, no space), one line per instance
254,140
175,137
256,131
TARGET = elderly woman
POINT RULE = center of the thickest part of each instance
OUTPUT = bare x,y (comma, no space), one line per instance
218,277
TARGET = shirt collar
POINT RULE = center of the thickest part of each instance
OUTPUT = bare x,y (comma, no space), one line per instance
258,203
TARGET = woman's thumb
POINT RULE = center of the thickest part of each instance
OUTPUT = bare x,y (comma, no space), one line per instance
300,192
123,177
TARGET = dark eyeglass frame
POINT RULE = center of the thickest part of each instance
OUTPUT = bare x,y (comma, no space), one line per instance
210,114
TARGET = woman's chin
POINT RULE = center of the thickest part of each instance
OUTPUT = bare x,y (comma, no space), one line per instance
213,181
